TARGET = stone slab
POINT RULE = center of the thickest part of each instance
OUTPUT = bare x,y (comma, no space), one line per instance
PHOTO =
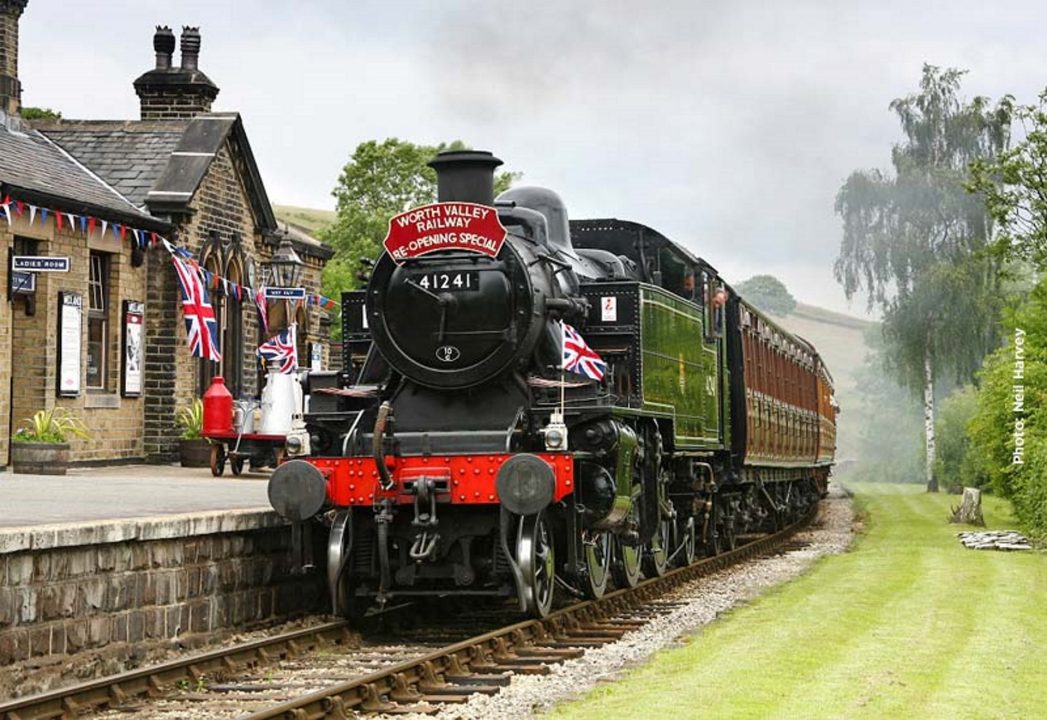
116,504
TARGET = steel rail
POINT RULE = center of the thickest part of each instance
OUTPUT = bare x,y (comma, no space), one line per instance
151,681
453,673
449,674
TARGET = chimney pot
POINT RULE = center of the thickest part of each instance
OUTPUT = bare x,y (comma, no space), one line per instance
190,47
465,176
164,45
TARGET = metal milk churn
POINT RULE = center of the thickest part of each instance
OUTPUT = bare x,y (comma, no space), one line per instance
281,399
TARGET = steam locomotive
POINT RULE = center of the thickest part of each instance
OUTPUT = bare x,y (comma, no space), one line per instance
452,454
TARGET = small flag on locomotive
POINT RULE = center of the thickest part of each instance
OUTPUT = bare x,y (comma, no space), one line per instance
578,357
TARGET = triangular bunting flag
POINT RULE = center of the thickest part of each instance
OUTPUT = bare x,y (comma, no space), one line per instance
32,214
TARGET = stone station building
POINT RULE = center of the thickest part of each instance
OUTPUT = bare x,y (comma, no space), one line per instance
181,171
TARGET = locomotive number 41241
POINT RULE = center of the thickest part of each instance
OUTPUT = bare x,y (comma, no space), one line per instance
465,280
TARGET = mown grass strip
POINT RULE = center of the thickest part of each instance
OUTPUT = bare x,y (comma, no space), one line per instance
909,624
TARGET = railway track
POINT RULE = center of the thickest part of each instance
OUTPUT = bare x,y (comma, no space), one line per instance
418,670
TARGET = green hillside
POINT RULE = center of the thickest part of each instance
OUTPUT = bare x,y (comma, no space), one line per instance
309,219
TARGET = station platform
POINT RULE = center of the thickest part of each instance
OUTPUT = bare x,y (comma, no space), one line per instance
110,564
98,494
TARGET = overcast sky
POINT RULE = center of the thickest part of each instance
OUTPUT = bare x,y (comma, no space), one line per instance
727,126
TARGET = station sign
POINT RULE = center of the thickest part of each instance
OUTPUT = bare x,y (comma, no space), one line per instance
39,263
459,226
278,293
23,282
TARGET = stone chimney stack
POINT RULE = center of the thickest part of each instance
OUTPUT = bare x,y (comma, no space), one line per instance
10,87
172,93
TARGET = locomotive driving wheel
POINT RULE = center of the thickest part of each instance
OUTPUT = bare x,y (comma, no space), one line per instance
598,551
656,550
686,542
628,555
534,552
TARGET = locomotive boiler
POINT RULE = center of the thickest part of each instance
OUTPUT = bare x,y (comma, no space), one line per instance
453,455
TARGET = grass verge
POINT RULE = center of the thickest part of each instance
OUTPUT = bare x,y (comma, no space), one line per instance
909,624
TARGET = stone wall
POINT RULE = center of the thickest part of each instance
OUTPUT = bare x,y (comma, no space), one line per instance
125,585
222,234
114,422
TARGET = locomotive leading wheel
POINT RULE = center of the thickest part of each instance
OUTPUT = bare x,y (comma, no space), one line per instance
217,459
534,552
339,546
599,549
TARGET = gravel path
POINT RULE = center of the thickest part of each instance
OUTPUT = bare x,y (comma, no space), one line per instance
830,534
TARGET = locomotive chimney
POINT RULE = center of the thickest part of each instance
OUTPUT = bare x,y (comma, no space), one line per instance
465,176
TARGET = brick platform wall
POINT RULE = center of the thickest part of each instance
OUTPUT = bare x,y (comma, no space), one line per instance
70,589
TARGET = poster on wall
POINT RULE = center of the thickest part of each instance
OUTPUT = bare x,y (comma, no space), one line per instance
316,357
70,331
134,322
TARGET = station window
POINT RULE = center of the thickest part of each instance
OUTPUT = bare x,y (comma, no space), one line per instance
98,322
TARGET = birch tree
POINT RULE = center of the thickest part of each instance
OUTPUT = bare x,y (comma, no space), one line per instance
914,239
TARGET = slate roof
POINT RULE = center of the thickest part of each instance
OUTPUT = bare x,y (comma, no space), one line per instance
45,174
159,164
130,156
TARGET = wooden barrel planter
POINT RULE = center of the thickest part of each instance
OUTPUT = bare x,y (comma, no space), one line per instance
195,453
40,458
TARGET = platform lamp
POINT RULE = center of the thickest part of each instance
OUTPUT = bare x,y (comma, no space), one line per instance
284,269
284,266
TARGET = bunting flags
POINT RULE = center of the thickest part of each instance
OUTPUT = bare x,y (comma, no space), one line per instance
143,239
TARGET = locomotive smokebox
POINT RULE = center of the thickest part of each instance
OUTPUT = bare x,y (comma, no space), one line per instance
465,176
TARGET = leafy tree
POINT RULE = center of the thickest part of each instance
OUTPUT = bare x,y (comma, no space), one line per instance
1015,187
913,240
999,426
381,179
35,113
955,463
768,293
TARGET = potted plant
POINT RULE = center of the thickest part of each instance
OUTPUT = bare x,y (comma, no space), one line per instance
41,445
194,449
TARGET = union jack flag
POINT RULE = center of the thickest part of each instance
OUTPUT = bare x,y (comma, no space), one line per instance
578,357
201,325
281,348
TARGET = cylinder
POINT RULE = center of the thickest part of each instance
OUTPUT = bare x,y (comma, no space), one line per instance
218,408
